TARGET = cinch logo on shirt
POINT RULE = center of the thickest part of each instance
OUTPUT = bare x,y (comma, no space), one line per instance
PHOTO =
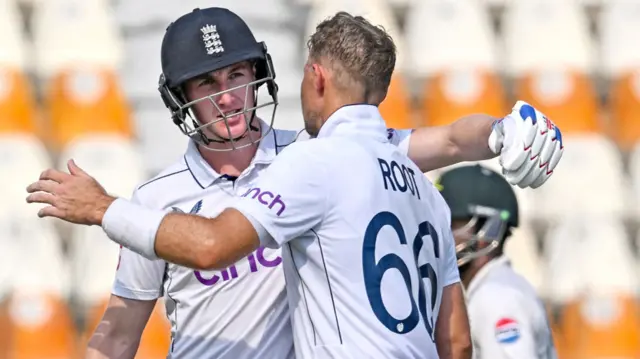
267,198
255,259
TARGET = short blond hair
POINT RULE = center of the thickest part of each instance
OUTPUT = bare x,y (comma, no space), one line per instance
357,51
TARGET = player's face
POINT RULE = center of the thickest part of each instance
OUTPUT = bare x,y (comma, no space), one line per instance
229,103
460,233
311,98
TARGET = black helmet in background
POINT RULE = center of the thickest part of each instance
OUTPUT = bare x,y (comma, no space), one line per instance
486,201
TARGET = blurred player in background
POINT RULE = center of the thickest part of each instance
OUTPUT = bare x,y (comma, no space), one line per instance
240,311
508,320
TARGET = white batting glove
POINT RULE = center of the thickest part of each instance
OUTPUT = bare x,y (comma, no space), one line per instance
529,144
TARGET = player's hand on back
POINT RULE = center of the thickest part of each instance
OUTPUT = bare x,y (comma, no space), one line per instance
529,146
75,197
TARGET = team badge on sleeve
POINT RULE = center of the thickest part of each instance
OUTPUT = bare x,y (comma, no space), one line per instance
390,133
507,331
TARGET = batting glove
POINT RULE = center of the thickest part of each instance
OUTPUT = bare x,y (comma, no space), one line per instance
529,145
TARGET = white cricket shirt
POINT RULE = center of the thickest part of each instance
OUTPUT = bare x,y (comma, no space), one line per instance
508,320
237,313
367,245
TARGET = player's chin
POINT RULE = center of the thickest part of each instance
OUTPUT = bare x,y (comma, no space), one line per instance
235,127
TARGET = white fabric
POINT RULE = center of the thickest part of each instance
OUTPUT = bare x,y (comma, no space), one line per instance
545,35
332,203
507,318
132,227
445,35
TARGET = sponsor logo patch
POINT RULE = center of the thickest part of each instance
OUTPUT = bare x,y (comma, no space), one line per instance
507,331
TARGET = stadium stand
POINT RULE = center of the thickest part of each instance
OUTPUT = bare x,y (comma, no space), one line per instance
454,84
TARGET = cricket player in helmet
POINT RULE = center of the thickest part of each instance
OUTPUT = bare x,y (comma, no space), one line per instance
234,124
507,318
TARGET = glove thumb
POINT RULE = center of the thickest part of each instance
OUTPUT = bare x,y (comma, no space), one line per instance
496,138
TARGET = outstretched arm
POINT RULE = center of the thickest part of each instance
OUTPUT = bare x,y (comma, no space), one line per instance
464,140
528,143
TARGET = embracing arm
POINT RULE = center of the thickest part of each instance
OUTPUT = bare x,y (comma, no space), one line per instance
206,243
283,205
464,140
188,240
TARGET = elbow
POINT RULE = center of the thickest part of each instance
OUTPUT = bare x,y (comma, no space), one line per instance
457,347
461,342
206,257
205,260
464,347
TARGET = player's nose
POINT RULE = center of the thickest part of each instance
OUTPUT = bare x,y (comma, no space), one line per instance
224,102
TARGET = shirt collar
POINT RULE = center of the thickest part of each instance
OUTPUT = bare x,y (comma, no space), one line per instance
205,176
355,120
484,271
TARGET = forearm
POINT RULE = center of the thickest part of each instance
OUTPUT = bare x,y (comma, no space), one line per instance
109,343
469,136
118,334
203,243
453,334
464,140
184,239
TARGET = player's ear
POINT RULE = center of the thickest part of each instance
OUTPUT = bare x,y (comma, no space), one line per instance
319,78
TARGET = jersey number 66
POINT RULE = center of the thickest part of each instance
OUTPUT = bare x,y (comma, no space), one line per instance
373,273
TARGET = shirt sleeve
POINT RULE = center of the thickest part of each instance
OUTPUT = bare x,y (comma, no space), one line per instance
136,276
289,197
500,325
400,138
